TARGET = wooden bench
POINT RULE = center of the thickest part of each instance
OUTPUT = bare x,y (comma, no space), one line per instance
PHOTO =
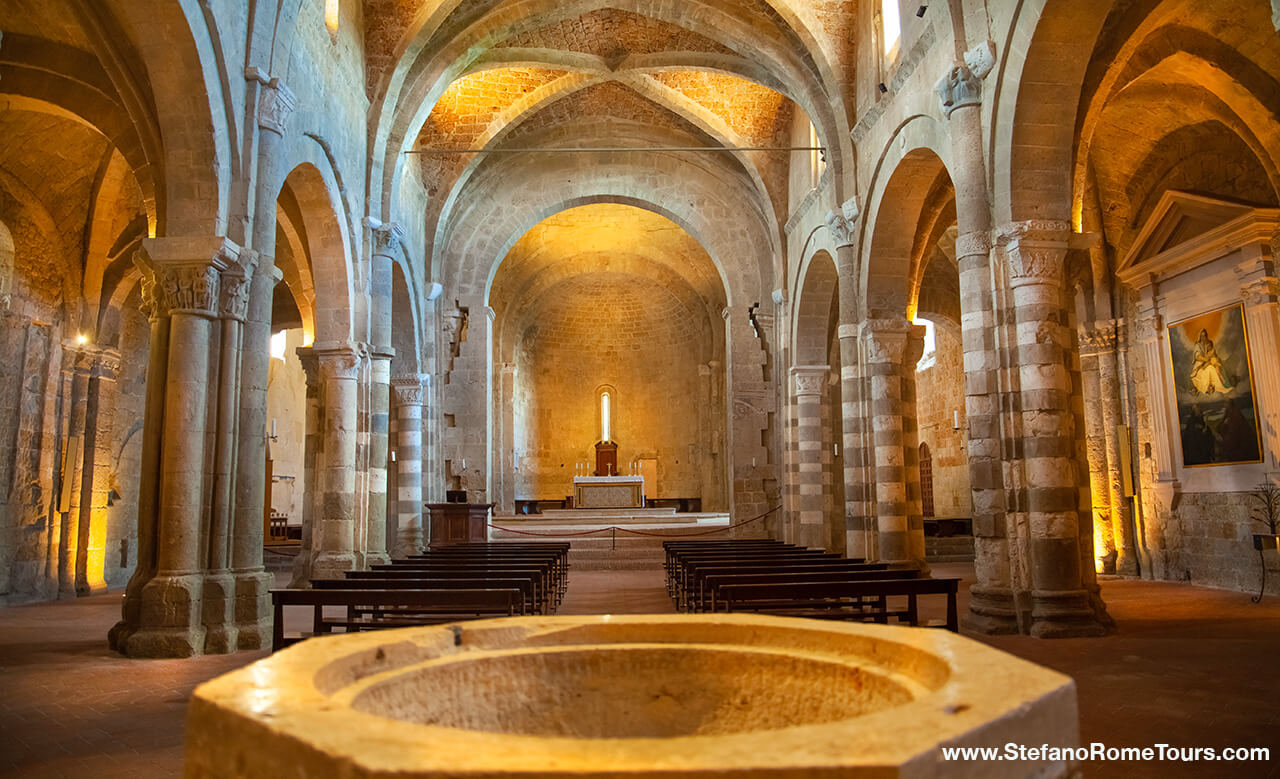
844,600
689,566
368,609
706,597
545,589
356,581
698,591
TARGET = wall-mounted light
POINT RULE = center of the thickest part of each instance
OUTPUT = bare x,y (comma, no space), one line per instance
82,339
883,89
331,14
920,11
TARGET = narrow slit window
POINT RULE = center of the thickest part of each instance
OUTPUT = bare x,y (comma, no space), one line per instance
604,416
890,24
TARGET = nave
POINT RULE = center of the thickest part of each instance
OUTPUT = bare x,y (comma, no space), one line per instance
1185,669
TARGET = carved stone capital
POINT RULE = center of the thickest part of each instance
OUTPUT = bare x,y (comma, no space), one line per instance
808,380
410,389
843,222
1097,338
1036,250
386,236
962,84
339,360
236,283
183,274
1260,291
892,341
310,366
275,105
975,243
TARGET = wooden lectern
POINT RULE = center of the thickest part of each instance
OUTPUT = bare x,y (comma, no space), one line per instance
458,523
606,459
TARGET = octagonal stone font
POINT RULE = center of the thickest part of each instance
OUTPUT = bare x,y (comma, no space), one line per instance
669,695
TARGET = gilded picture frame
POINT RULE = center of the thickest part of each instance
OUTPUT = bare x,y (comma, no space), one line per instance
1213,386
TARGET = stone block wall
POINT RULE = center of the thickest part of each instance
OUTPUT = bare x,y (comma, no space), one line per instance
648,345
939,394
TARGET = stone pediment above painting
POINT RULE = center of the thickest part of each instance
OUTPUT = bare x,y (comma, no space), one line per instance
1187,230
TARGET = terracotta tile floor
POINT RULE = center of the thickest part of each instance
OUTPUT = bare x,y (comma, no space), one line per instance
1189,666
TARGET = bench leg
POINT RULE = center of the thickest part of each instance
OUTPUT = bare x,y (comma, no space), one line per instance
277,628
953,622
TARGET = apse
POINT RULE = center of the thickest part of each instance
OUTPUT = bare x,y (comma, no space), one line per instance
610,299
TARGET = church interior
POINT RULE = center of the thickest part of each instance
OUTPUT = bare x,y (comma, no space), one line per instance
981,293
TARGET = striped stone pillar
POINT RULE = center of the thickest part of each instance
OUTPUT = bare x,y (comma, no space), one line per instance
1060,602
409,395
811,458
333,536
1096,448
859,515
992,607
892,349
312,455
385,241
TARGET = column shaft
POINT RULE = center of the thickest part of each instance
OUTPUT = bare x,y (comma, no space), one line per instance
333,537
409,400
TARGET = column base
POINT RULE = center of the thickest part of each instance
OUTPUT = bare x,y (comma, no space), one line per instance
409,542
376,558
992,611
169,618
1126,564
253,609
300,574
1064,614
218,609
332,565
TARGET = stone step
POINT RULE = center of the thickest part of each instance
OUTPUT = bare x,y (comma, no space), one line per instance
952,549
607,517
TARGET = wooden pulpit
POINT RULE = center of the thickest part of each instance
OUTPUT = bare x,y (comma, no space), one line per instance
458,523
606,459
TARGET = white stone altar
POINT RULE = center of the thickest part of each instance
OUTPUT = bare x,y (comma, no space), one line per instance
608,492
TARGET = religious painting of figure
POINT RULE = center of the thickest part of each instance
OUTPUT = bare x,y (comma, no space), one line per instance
1217,415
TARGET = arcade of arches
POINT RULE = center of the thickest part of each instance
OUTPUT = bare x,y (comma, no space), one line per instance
399,247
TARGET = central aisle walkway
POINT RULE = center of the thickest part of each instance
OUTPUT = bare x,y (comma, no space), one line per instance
616,592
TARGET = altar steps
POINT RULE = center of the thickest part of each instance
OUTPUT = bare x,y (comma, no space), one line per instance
608,550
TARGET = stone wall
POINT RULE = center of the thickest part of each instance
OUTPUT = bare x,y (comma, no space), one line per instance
286,405
939,394
652,348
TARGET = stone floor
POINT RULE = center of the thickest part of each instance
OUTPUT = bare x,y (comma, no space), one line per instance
1189,666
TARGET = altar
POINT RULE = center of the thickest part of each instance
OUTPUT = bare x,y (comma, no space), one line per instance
608,492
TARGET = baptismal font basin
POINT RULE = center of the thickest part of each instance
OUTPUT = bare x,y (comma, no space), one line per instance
660,695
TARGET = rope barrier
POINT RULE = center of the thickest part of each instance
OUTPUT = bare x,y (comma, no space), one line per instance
615,528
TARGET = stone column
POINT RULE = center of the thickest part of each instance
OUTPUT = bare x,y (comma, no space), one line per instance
809,512
858,483
252,610
1060,602
504,402
312,456
185,275
76,365
992,607
893,347
333,535
220,617
149,479
1260,291
1096,446
385,240
409,393
1105,333
99,422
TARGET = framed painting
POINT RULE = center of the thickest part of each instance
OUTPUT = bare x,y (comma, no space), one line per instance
1213,380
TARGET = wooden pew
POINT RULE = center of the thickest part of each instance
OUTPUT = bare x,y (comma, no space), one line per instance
389,607
841,600
545,588
689,566
356,580
698,590
707,598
